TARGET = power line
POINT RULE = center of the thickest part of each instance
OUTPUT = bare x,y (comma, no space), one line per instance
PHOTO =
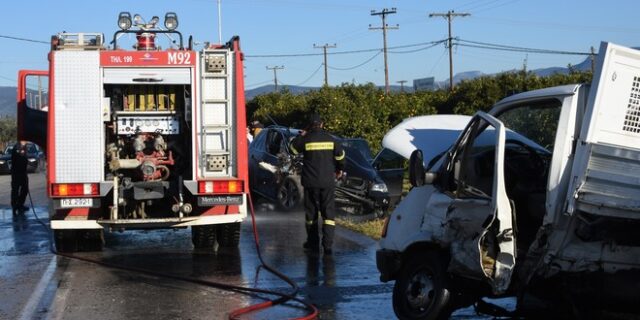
493,46
311,76
23,39
419,49
296,55
359,65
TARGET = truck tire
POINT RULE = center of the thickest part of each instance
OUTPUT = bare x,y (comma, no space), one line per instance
290,194
422,289
65,241
203,237
90,240
229,235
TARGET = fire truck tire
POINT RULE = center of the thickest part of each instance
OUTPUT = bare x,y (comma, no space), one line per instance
229,235
203,237
65,240
422,288
90,240
290,194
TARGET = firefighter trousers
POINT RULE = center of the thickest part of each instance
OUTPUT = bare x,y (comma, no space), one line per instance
320,201
19,190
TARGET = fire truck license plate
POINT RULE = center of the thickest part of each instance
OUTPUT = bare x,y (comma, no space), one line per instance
76,203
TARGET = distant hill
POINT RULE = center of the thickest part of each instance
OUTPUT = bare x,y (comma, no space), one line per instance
8,101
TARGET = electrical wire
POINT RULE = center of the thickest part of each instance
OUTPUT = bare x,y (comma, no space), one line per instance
342,52
311,76
23,39
359,65
282,297
485,45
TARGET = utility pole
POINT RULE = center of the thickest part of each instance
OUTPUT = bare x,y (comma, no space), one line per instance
384,29
324,49
275,75
592,56
402,82
449,16
219,22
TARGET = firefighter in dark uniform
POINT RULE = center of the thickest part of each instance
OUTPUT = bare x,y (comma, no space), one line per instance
19,178
323,162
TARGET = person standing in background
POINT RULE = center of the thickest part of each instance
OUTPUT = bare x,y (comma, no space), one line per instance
19,178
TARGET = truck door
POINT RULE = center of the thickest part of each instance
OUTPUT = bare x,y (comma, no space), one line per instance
606,170
33,105
478,223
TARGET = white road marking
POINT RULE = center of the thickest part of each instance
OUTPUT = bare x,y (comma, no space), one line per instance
29,309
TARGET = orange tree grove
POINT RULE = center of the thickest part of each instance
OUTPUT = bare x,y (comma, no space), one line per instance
365,111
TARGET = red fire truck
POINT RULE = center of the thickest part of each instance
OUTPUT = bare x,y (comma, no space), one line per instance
138,139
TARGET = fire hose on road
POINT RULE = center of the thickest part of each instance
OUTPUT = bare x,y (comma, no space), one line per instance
235,314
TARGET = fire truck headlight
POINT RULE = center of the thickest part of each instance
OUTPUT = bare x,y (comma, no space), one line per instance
171,20
154,21
124,20
137,20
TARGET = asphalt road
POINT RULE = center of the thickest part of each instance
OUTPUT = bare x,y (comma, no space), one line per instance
39,285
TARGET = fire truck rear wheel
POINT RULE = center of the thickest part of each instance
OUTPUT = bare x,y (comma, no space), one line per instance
229,234
90,240
203,237
65,241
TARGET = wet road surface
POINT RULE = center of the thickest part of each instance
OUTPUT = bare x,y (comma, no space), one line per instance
38,285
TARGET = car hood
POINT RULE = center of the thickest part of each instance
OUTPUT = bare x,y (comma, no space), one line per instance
5,156
434,134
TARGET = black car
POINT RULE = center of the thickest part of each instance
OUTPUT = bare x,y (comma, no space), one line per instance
35,157
274,173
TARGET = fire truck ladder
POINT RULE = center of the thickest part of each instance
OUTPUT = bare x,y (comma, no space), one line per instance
217,116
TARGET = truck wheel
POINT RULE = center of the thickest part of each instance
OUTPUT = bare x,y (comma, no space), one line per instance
203,237
90,240
290,194
65,241
229,234
421,290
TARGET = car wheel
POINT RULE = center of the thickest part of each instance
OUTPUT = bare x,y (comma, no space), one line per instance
421,290
290,194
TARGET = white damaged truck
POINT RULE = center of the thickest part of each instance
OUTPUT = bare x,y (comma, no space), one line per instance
539,199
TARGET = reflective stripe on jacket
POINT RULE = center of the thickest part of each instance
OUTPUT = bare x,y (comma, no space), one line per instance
323,156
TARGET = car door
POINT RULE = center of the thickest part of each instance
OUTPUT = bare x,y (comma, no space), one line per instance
478,220
32,106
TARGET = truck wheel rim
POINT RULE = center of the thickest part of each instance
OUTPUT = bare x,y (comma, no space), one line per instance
420,290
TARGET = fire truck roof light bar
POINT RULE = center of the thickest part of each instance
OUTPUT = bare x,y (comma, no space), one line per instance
115,36
125,23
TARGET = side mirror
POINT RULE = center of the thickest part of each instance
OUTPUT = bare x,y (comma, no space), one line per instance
416,168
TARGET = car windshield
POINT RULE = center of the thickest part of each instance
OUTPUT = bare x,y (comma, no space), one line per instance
8,149
360,145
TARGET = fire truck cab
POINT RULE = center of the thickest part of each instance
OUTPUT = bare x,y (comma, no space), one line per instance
146,138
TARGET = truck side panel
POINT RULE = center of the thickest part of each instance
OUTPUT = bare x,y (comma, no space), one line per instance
77,118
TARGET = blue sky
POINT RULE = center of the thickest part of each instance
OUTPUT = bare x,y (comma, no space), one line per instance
275,27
